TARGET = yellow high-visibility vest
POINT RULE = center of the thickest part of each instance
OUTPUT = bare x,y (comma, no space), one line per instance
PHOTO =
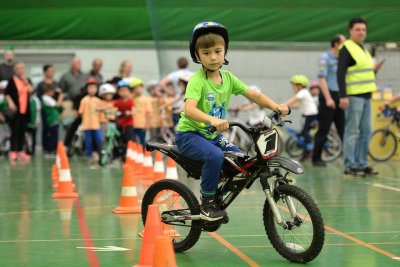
360,78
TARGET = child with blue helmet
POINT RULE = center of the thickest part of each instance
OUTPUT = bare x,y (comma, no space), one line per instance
207,99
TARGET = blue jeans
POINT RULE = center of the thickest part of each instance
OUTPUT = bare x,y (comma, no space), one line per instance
92,137
193,145
140,135
357,133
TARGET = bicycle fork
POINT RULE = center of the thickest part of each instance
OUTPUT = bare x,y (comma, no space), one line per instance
268,189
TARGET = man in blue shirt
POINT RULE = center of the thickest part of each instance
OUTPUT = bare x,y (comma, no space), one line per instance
328,110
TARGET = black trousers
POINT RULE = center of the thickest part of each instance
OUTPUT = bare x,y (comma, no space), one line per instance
326,116
32,133
18,127
71,131
51,138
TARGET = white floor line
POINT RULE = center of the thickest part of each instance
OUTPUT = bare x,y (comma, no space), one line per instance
388,178
384,186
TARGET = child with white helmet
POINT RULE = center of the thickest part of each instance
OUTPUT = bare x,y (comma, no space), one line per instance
108,110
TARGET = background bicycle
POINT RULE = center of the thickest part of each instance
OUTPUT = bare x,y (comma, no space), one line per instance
114,145
383,142
294,144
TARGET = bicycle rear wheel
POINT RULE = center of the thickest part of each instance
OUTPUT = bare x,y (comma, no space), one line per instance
382,145
175,199
293,148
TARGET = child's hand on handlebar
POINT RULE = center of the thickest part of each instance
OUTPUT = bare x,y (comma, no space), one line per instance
283,109
220,125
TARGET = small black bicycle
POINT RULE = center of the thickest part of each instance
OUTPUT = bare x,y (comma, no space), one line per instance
292,220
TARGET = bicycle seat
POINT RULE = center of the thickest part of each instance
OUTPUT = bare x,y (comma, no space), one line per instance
163,147
192,167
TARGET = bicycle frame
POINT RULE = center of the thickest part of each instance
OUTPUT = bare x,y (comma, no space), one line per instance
257,167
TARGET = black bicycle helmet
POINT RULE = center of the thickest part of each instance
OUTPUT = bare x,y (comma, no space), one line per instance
204,28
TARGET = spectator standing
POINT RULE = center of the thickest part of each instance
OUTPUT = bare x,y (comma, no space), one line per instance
156,100
51,110
125,69
17,95
73,80
34,121
48,80
89,110
97,64
175,91
356,79
328,109
7,67
141,116
125,106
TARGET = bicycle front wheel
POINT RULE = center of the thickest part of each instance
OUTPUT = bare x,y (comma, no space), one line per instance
382,145
303,239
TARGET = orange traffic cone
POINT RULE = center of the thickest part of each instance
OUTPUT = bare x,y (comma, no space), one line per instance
164,255
147,166
56,166
172,172
152,229
167,228
139,160
129,202
129,156
65,187
158,172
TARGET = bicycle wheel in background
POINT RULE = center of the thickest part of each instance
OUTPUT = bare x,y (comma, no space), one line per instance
382,145
293,148
333,147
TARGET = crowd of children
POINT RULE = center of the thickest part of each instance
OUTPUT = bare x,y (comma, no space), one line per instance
137,116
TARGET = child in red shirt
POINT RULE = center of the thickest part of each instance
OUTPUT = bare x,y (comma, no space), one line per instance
125,105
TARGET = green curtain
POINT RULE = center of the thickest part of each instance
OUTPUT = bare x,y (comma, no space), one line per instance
254,20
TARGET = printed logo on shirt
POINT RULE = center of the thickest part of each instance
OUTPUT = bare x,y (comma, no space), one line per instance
210,97
218,112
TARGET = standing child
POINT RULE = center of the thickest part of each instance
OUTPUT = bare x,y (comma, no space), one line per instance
125,105
52,109
141,116
206,102
34,121
88,109
308,108
156,99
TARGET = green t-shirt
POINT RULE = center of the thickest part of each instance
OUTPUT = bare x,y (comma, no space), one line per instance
213,99
51,110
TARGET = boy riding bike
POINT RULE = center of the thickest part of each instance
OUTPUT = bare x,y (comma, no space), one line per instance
206,102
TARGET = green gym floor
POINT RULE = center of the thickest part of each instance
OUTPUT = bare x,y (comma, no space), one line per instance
362,218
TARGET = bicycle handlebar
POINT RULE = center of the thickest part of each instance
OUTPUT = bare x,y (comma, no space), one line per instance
274,118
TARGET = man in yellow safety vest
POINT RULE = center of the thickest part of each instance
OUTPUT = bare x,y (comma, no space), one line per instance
356,79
